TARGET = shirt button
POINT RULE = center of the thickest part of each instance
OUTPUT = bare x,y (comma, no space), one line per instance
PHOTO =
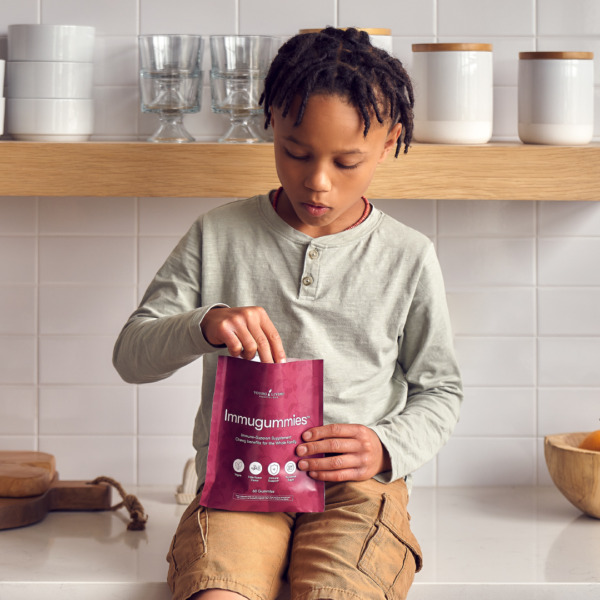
308,280
313,254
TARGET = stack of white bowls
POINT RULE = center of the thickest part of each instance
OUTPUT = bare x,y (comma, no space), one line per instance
1,97
49,82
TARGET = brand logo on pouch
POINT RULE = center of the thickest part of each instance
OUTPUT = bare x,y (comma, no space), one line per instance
269,394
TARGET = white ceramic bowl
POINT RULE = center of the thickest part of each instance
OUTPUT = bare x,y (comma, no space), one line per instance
33,79
74,43
58,119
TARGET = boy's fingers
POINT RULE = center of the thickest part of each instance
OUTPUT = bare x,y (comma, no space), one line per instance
233,343
245,331
324,470
268,343
272,340
329,446
340,475
353,452
334,430
331,463
275,345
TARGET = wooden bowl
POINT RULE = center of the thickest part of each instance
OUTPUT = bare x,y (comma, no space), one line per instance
575,472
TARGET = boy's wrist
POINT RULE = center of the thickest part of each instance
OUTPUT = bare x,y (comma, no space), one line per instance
386,461
201,325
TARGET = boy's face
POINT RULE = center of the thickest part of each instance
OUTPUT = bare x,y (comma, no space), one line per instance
326,164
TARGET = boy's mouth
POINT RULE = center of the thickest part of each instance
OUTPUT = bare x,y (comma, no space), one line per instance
315,210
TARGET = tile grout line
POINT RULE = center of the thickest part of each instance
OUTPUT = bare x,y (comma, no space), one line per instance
535,23
536,330
136,396
37,325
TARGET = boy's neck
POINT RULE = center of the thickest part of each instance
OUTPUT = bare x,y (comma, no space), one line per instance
366,212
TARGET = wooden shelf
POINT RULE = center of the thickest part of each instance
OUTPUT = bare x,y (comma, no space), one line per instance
494,171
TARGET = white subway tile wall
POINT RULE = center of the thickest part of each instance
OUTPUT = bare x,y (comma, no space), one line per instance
523,278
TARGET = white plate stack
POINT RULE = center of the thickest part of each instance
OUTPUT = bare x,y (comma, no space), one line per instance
49,82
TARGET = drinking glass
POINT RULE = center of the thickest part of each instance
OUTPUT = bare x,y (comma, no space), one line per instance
239,65
170,82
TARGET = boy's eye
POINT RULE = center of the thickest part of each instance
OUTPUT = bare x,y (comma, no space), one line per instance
305,157
295,156
343,166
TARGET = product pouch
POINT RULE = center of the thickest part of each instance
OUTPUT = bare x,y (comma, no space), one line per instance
259,413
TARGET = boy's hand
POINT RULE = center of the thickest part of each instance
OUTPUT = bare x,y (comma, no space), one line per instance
357,453
245,331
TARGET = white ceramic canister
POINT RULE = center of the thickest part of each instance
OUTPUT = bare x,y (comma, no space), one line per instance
453,85
381,38
556,97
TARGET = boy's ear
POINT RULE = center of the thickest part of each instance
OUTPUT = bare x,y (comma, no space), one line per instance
391,140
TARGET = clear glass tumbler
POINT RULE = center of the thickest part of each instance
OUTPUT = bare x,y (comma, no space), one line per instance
239,65
170,82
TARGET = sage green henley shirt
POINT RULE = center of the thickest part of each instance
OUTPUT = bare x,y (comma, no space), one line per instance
369,301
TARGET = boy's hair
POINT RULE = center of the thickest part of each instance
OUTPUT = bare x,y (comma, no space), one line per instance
344,63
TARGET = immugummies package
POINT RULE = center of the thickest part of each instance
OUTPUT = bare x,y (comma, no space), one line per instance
260,411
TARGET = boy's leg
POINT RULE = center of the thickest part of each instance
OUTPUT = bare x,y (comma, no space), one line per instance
245,553
360,548
217,595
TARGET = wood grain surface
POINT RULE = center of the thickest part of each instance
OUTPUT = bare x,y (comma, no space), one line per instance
30,488
575,472
25,473
429,171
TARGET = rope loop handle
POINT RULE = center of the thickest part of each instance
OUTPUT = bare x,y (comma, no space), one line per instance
129,501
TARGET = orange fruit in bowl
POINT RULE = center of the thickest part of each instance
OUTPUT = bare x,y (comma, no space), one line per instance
591,441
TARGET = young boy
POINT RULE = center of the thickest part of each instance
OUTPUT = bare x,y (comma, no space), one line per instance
313,270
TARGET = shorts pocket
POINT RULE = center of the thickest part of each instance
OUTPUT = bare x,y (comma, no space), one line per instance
391,554
188,544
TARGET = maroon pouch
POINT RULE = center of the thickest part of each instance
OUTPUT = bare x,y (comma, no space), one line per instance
260,411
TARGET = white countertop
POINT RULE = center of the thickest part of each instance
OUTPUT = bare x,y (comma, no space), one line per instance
480,543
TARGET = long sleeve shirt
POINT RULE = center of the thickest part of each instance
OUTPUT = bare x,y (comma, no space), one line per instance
369,301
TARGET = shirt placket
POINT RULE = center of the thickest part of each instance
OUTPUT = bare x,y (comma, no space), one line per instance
310,273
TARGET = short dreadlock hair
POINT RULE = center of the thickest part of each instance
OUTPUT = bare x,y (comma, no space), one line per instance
344,63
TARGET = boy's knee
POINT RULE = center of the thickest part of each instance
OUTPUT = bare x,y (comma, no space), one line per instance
217,595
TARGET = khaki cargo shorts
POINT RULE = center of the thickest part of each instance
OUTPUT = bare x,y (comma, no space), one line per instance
360,548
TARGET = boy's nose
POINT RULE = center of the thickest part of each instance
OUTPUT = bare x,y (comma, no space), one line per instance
317,180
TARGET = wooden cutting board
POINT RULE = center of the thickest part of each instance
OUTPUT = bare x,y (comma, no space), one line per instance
30,488
24,473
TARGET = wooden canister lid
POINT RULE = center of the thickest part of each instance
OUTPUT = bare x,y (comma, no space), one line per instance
556,55
375,31
449,47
